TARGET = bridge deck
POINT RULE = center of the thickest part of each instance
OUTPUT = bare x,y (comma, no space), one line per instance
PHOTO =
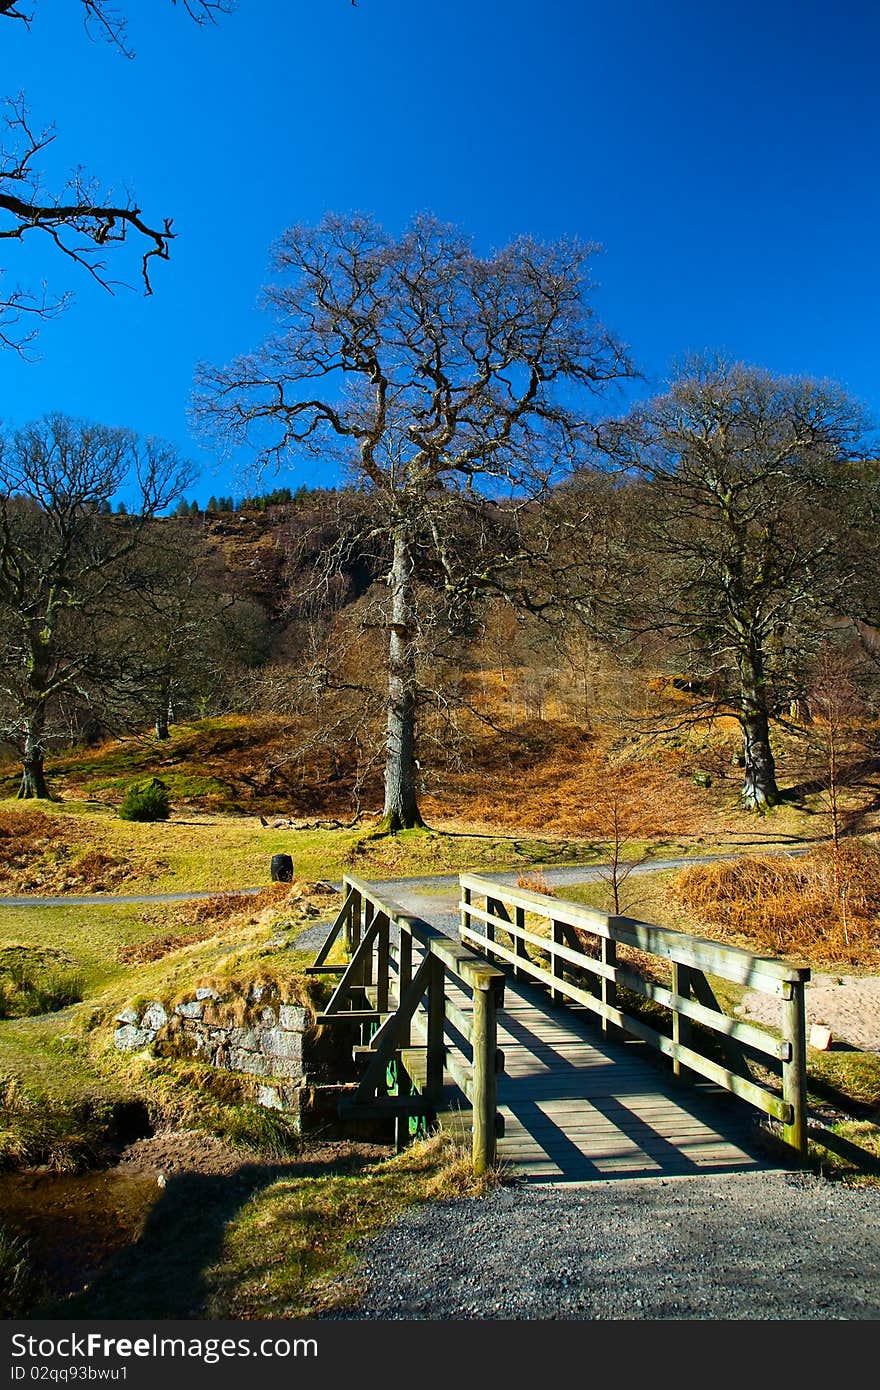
579,1107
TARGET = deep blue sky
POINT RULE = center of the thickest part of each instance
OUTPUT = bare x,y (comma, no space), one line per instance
725,155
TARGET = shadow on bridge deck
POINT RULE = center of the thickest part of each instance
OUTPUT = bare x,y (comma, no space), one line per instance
580,1107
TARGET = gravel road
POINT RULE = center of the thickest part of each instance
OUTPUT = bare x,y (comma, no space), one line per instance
768,1245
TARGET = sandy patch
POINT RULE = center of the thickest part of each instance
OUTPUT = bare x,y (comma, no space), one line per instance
849,1005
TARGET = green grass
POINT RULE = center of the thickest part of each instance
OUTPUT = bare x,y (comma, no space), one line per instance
47,1058
17,1283
27,989
81,937
221,852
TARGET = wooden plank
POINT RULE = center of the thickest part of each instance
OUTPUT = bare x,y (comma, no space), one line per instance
463,1022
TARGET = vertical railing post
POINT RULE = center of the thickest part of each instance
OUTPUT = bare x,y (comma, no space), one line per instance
794,1067
404,971
485,1081
556,965
436,1056
681,1026
465,915
383,944
491,906
520,946
353,924
609,987
369,914
355,920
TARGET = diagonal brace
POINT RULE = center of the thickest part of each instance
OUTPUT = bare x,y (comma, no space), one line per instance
335,929
389,1033
352,977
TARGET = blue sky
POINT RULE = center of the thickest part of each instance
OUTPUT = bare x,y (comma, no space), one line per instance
725,155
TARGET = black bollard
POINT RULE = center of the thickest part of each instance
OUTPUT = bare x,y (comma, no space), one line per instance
282,868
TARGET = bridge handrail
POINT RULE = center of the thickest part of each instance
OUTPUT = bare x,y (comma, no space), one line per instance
730,962
690,998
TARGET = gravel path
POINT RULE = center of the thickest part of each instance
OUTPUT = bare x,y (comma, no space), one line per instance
743,1246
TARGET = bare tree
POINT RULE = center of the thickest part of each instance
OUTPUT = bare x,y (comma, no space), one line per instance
432,372
63,561
749,477
80,220
631,808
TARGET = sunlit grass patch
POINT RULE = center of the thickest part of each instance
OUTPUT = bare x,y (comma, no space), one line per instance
295,1238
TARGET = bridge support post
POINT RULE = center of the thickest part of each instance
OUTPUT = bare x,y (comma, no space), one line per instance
352,937
681,1026
436,1053
485,1026
608,988
794,1068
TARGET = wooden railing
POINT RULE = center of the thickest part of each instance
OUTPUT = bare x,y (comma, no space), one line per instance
403,979
508,926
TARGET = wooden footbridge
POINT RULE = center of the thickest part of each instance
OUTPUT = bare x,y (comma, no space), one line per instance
572,1044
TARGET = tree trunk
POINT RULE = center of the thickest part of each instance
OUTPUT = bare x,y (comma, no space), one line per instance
162,730
401,810
760,791
33,780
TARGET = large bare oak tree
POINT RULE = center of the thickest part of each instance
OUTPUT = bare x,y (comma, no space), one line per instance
749,477
431,371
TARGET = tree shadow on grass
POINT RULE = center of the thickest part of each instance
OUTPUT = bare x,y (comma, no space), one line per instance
162,1274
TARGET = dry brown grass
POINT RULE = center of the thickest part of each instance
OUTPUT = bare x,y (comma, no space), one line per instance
549,777
41,853
140,953
789,906
536,883
297,900
280,904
